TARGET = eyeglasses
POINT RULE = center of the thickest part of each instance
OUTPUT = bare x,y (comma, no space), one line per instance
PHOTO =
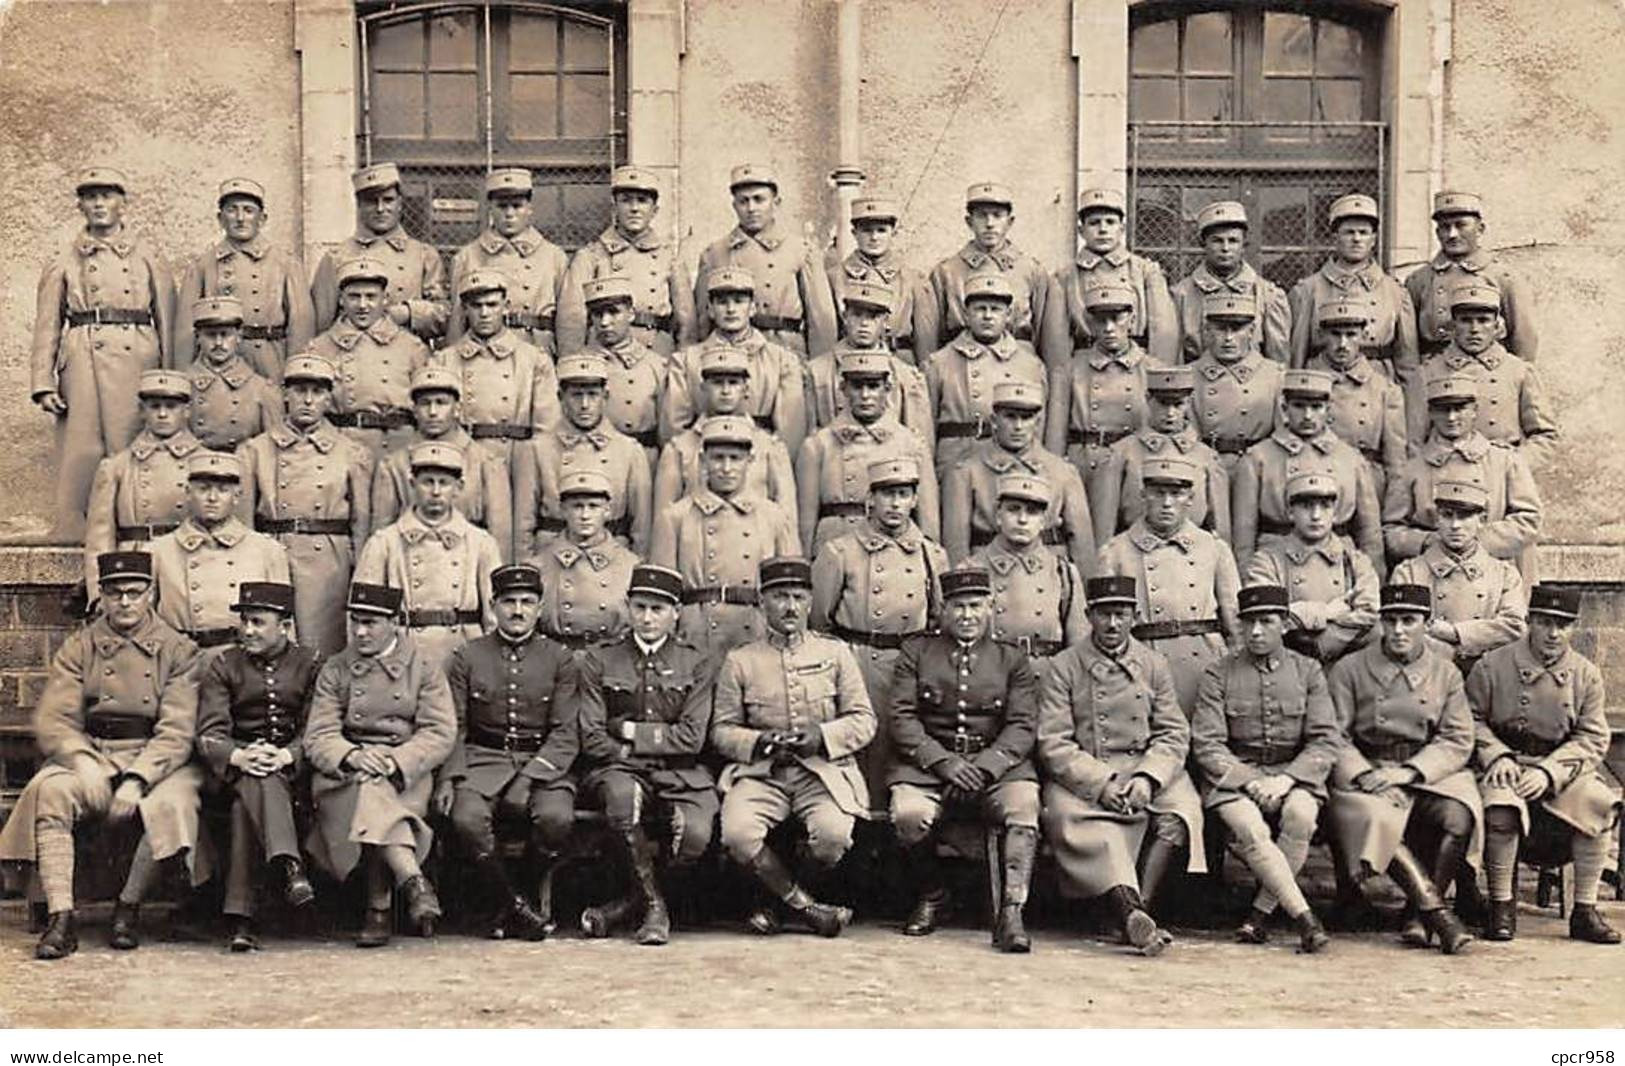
126,593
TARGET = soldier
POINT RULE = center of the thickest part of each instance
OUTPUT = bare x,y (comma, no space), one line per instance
441,562
1037,593
1401,775
864,311
645,713
105,311
989,213
509,390
1454,450
970,502
514,691
794,305
1167,431
874,264
1541,736
584,570
1334,588
278,319
876,586
715,537
1221,227
1458,219
663,316
584,440
128,754
373,360
1238,391
1102,399
415,294
486,498
513,247
777,396
962,375
230,401
1302,443
637,372
381,721
1513,407
724,381
832,481
307,485
789,715
140,493
1112,743
1263,738
250,716
1368,410
1104,260
201,565
1352,271
1186,578
973,750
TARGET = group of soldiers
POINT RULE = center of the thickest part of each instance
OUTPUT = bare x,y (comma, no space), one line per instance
1072,554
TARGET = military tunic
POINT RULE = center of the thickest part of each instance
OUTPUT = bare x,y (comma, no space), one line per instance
1103,403
960,379
1390,336
540,467
139,495
941,317
1483,597
1260,717
535,269
1318,578
908,400
907,324
1038,602
636,388
1235,405
231,404
1258,501
970,501
1511,518
663,313
776,395
197,572
770,474
1512,404
1122,496
1155,325
1368,411
417,278
485,500
1272,315
510,392
278,317
375,368
794,305
444,574
584,590
1432,284
832,477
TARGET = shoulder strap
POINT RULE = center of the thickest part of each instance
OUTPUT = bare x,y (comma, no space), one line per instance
931,605
1065,566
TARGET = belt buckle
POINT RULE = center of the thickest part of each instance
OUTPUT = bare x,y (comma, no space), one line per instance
1025,643
961,743
983,428
722,595
95,316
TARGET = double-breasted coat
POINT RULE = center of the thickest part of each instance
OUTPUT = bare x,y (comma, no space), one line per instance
417,278
832,477
794,305
139,494
444,574
231,403
486,498
663,314
198,571
970,501
535,269
1272,315
1121,500
278,318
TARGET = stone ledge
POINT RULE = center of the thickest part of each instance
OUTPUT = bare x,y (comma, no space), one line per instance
1588,564
40,564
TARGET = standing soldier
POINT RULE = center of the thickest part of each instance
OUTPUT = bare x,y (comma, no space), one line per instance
1112,744
832,480
1102,399
104,314
1037,593
1368,410
876,586
1221,228
637,372
202,564
278,319
645,713
989,213
1263,738
114,726
963,721
381,720
1167,432
970,500
515,692
415,294
1541,737
513,247
1458,219
1238,391
307,485
716,536
584,570
724,382
140,493
250,717
584,440
873,263
789,714
864,309
1104,260
663,316
794,305
230,401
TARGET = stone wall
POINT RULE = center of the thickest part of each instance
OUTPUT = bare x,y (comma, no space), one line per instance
39,605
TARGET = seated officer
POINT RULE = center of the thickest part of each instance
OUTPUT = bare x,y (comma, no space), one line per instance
864,310
584,572
512,244
874,262
250,715
789,715
381,720
1221,227
645,713
129,754
963,717
516,739
1037,594
1263,739
1099,398
230,401
989,214
637,372
1238,391
1541,737
1368,410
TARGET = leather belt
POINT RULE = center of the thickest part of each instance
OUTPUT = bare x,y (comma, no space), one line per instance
965,744
1038,647
1276,527
528,320
617,527
1525,744
212,638
110,316
221,449
500,430
371,419
739,595
650,320
423,618
955,430
1228,445
776,323
1193,627
649,438
111,725
321,527
981,538
1390,750
842,510
148,532
883,641
763,421
503,741
1100,438
265,333
280,737
577,641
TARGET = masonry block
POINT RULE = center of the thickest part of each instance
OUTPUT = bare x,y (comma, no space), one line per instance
22,650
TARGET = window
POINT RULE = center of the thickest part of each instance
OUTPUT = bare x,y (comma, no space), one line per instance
1278,107
451,90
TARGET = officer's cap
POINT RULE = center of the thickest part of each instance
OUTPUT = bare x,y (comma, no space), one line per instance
1311,485
609,289
893,472
1105,299
1262,599
1168,472
509,181
1406,599
367,598
752,174
1451,390
264,596
875,209
1171,381
1024,487
726,429
1092,200
784,570
381,176
989,286
658,581
1446,204
1228,308
989,192
1463,494
634,179
1345,312
1475,296
165,383
865,294
1354,205
966,581
362,269
1018,396
100,178
729,279
241,187
483,280
863,364
432,455
584,483
1307,384
436,379
1555,600
1220,213
1119,588
308,367
123,566
723,359
213,466
519,577
217,311
583,367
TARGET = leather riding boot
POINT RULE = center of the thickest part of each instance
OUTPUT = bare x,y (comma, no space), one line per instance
1587,923
422,905
375,928
60,939
296,887
1159,861
1020,849
656,926
514,914
124,935
1502,923
930,893
1255,928
825,920
39,916
1312,936
1471,906
545,865
1423,893
602,919
1139,928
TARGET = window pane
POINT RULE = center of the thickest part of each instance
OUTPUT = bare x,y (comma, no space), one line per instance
397,105
1288,44
535,106
1285,100
1156,216
586,105
451,41
454,107
1338,49
1339,101
533,42
396,47
1154,47
1208,100
1207,43
1154,99
1283,216
586,47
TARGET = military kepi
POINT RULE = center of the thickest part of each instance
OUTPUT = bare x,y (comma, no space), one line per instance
264,596
649,580
1556,601
966,581
1262,599
1118,588
784,570
123,566
373,599
1406,598
520,577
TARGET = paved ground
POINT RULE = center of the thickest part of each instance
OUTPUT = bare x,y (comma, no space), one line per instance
869,977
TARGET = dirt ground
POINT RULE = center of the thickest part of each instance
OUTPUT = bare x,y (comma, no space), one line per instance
871,976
